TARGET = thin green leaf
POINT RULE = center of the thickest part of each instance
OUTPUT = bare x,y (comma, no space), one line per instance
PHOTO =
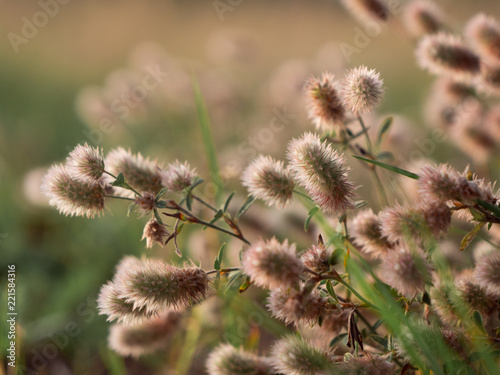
490,207
337,339
478,320
189,201
208,141
310,215
391,168
360,204
331,291
380,340
130,209
377,324
384,130
246,205
218,260
228,200
161,193
471,235
217,216
196,182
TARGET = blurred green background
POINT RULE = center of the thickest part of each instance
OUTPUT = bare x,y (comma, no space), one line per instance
250,61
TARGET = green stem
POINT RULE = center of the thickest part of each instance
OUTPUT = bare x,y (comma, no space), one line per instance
203,202
116,197
369,145
298,192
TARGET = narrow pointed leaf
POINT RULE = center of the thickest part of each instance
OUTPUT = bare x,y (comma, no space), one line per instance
246,205
389,167
471,235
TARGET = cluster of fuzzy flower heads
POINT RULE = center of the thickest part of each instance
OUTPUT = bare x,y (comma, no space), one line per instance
79,187
295,356
314,165
330,102
141,289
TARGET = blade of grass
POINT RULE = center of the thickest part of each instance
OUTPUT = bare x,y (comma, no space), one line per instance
389,167
208,141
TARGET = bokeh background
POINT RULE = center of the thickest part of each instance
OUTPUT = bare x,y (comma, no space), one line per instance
251,62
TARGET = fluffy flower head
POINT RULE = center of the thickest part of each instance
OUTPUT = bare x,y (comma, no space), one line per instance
406,271
86,162
321,171
179,176
362,89
73,196
227,360
272,264
269,180
447,55
324,103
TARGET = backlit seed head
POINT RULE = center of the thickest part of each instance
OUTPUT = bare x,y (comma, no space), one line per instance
367,233
475,296
406,270
324,104
483,32
487,272
141,173
471,135
157,286
366,11
445,300
322,172
439,183
146,203
271,264
143,338
447,99
372,365
423,17
179,176
116,308
447,55
227,360
489,80
298,307
71,195
437,215
154,232
362,89
86,162
269,180
294,356
404,225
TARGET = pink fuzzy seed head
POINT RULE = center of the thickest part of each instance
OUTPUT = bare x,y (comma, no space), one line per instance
269,180
271,264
